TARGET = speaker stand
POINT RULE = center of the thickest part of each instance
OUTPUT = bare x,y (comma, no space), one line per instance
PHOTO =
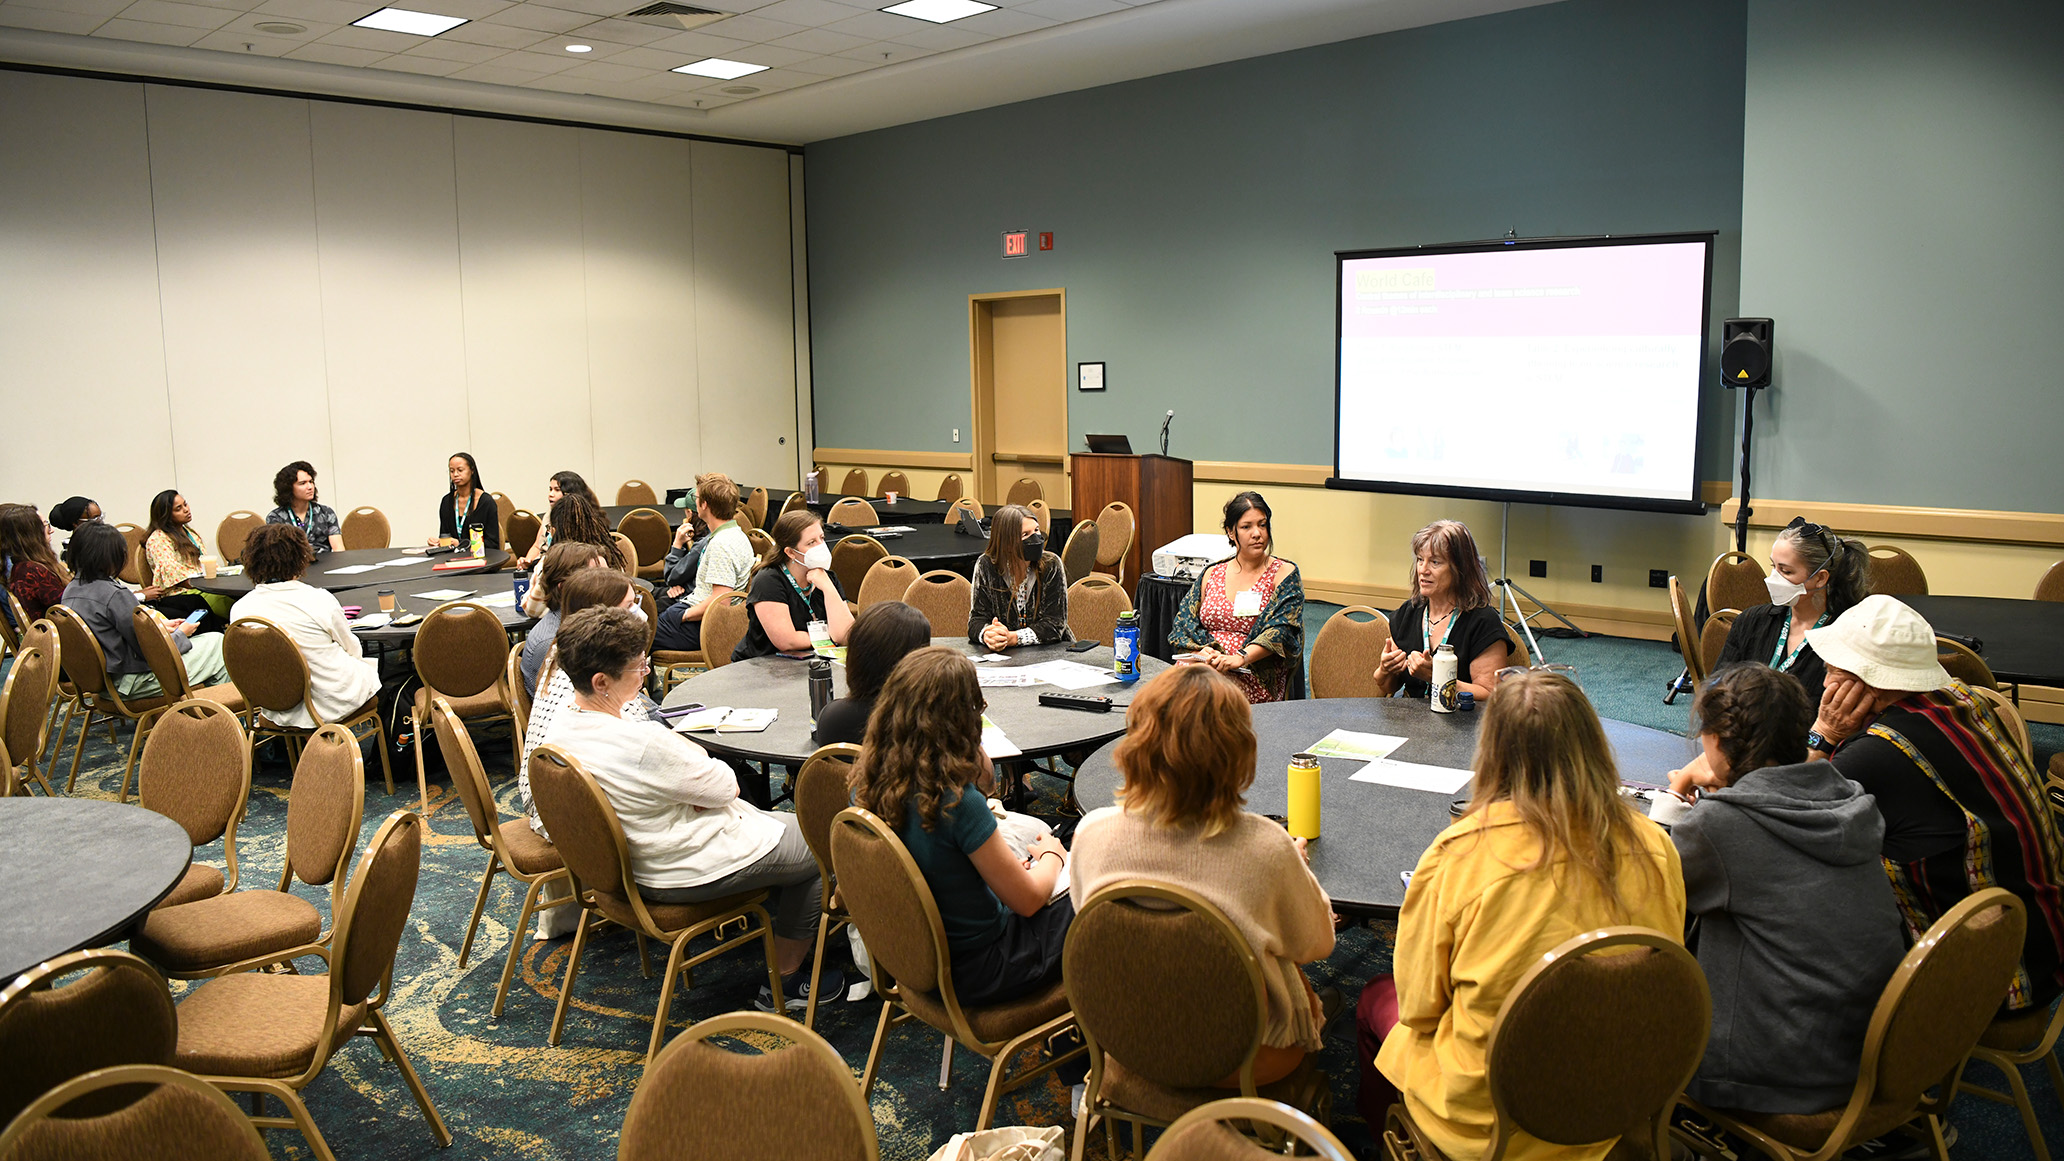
1509,592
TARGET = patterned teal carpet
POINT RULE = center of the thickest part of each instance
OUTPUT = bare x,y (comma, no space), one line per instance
505,1094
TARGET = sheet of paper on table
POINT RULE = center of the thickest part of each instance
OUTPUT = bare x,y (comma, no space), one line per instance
1355,747
995,744
398,560
894,528
352,569
1070,675
502,600
988,657
445,594
1004,678
371,621
1413,776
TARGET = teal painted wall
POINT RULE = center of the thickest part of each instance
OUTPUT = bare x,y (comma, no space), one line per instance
1901,202
1196,214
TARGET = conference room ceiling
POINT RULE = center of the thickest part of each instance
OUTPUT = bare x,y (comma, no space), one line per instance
831,67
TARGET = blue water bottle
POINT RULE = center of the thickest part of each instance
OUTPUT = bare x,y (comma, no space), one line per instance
1125,648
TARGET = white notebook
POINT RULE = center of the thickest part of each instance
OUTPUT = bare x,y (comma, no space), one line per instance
722,719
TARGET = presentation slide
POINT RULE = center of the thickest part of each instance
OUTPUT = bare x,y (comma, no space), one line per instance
1566,370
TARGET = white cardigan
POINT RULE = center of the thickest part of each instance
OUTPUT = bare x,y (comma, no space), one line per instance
340,677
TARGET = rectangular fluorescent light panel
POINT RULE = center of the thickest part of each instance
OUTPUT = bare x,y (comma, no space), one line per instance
413,23
721,69
940,11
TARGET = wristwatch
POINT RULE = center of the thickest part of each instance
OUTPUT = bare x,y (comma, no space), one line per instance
1815,740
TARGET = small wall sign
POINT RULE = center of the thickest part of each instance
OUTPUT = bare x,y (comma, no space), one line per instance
1089,376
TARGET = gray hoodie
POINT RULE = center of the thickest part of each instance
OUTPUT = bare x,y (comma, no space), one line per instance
1798,933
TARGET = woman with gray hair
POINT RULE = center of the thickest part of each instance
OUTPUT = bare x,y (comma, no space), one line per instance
1815,576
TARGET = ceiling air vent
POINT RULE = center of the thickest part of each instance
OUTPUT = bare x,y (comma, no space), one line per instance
667,14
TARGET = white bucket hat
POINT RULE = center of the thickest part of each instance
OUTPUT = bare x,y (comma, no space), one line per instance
1885,644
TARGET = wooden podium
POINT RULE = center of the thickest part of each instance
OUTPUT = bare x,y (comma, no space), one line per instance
1156,488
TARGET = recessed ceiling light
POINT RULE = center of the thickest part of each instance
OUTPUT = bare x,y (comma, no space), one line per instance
940,11
580,48
413,23
721,69
280,27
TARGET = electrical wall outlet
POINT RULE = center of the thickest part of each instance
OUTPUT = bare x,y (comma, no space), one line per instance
1659,578
1537,568
1597,574
956,435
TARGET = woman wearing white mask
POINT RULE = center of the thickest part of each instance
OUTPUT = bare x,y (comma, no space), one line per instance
1815,576
791,588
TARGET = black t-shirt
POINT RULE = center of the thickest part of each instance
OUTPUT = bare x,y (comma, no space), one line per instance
844,720
1920,820
1754,637
1475,630
774,584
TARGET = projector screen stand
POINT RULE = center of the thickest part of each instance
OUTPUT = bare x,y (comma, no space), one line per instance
1510,592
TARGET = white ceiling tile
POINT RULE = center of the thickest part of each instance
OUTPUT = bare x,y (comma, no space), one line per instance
626,32
884,52
470,9
249,21
540,18
938,37
337,12
337,54
696,45
1002,22
1065,10
48,20
809,13
402,62
373,38
438,48
818,40
829,66
597,49
119,29
643,58
226,40
752,29
595,8
539,63
873,25
498,35
558,83
496,73
175,13
101,8
774,56
603,70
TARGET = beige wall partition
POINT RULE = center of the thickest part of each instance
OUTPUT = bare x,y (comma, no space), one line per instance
198,286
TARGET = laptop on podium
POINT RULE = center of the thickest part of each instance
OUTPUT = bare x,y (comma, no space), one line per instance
1109,445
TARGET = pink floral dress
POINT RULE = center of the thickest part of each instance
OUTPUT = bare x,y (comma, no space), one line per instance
1230,633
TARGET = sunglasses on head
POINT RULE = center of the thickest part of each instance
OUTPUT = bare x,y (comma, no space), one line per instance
1809,528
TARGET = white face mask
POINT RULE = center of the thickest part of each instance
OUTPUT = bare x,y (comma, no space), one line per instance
817,556
1782,591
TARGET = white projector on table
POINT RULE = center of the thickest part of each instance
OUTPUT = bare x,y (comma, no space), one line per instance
1186,558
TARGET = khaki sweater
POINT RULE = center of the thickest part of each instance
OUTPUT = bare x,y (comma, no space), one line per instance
1250,871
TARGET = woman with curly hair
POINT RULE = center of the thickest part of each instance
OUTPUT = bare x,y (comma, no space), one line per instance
919,772
293,499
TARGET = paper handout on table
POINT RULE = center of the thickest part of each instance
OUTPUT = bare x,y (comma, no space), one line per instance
446,594
988,657
351,569
1413,776
894,528
723,719
1004,678
398,560
995,744
1070,674
1354,747
501,600
372,621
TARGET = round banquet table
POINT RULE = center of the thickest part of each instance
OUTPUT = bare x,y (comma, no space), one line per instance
783,683
323,575
408,595
2023,640
79,873
928,546
1371,833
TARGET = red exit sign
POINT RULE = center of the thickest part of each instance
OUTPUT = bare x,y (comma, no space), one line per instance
1014,243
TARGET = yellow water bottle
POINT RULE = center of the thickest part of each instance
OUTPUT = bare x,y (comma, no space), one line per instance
1304,796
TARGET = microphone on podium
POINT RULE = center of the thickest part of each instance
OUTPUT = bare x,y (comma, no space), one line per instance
1164,430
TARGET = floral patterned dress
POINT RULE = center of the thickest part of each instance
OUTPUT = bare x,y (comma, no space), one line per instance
1230,633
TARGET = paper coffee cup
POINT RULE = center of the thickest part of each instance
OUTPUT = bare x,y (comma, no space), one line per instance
208,566
386,600
890,496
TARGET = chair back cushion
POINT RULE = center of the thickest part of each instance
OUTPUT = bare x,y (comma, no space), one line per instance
945,598
950,488
467,775
523,531
852,557
1025,491
723,626
1943,995
233,531
888,898
325,806
649,533
966,504
762,544
178,1117
1345,653
2051,586
636,492
366,528
1094,603
1735,582
1170,988
895,482
459,649
196,768
1599,1036
852,512
695,1091
756,506
820,793
265,664
583,825
113,1009
1713,638
25,703
1894,572
1114,533
627,551
84,665
133,570
376,907
856,483
1688,640
154,641
886,579
1964,664
1078,558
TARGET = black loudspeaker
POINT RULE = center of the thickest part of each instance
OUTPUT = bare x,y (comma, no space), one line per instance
1745,352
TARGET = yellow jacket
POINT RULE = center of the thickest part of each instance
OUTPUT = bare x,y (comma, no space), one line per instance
1473,923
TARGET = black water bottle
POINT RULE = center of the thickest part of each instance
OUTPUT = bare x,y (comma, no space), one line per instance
820,687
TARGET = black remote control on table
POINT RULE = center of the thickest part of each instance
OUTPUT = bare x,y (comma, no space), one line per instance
1087,702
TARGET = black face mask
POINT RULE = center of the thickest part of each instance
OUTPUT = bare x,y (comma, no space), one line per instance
1032,548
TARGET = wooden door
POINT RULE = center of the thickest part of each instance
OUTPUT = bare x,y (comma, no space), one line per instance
1018,346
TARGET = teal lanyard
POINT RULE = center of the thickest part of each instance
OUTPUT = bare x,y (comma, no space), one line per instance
1426,627
790,578
307,527
460,516
1778,658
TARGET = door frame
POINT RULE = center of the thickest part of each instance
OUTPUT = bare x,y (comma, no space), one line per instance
981,409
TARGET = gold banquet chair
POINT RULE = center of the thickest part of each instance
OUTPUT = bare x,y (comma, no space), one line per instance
179,1118
196,771
272,677
77,1012
1203,1134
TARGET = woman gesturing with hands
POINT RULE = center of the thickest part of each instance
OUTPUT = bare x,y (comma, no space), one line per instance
1451,604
